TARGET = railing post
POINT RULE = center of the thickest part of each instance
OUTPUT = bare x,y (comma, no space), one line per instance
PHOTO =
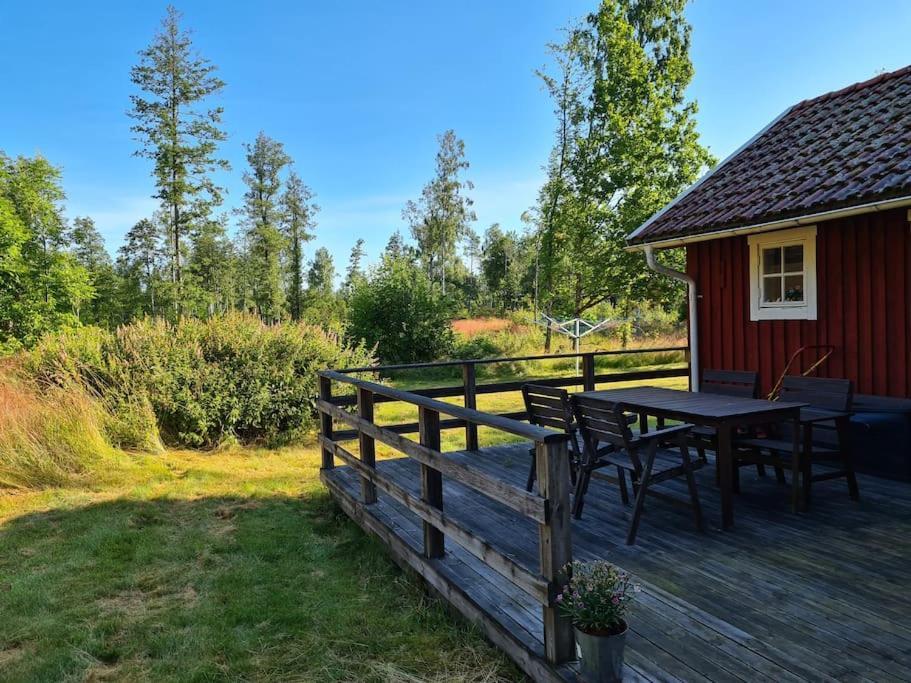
431,480
325,421
555,544
471,401
366,443
588,372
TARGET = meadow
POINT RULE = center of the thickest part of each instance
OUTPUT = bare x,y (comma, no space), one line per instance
229,563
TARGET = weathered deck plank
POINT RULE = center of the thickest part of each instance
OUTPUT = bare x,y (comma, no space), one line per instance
783,597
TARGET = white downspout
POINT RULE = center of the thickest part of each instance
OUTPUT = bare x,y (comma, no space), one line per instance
694,327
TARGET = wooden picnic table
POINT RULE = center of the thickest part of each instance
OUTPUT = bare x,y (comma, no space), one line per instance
723,413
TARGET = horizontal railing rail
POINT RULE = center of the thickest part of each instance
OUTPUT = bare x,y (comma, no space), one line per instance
515,359
549,507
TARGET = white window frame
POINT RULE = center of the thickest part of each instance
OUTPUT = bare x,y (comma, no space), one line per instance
783,310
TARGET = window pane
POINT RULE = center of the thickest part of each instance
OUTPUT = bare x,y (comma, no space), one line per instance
771,260
771,289
793,259
793,288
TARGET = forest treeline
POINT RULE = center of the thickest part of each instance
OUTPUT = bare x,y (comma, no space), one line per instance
625,143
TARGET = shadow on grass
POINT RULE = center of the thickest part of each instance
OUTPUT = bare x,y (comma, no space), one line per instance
223,588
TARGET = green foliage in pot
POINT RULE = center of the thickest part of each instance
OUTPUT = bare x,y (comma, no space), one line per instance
596,597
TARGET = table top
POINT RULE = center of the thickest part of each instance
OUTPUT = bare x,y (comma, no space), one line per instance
688,405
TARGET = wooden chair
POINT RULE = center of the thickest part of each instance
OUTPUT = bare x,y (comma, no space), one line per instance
602,423
823,437
549,407
740,383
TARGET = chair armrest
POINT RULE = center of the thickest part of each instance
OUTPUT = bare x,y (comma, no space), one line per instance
666,432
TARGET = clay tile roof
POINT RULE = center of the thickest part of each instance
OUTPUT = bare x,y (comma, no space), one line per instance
843,149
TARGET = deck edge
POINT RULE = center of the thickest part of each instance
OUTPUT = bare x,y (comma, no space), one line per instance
450,594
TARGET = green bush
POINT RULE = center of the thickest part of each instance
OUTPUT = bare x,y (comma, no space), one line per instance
401,313
231,377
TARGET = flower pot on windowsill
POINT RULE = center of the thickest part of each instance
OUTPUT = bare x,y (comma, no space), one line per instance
600,654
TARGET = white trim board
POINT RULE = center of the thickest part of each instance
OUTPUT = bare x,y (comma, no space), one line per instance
805,236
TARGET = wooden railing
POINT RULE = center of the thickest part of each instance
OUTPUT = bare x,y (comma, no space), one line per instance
470,389
549,507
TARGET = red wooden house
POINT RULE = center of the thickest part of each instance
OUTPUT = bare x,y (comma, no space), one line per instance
802,238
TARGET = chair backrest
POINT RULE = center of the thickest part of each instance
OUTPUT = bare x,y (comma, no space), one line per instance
730,383
602,422
548,407
819,392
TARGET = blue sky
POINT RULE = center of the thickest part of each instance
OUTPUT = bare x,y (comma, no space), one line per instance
358,91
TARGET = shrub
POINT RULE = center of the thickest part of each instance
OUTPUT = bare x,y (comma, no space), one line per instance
200,382
398,311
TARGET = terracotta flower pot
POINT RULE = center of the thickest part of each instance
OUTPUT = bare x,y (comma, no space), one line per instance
601,656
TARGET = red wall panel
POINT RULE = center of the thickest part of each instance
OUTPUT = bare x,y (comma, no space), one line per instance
863,268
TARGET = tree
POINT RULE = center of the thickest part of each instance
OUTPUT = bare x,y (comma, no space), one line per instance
400,311
501,267
441,217
211,269
178,134
354,272
43,286
626,145
261,219
89,251
298,221
138,261
321,274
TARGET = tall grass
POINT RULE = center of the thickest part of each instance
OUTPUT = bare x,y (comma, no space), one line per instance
49,437
524,340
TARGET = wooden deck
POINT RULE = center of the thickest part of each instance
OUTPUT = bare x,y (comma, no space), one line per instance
782,597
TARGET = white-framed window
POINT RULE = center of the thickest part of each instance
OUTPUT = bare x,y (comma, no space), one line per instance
783,275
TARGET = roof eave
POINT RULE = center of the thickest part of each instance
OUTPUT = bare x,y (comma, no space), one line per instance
707,175
807,219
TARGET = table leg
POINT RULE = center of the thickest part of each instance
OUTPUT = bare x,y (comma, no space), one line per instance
726,475
796,468
806,464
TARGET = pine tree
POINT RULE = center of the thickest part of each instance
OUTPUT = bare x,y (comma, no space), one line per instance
443,213
395,247
321,274
138,263
298,221
261,218
354,272
179,134
211,269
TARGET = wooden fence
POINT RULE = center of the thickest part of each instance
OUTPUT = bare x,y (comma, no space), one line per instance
470,389
549,507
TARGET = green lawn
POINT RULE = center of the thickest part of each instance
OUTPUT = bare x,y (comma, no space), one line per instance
222,566
226,566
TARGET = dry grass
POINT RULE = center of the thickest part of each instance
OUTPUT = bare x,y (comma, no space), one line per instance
469,327
47,438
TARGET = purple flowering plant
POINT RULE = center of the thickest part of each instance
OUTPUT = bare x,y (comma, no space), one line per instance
596,597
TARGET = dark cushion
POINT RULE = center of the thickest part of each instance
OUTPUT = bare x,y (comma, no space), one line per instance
881,443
